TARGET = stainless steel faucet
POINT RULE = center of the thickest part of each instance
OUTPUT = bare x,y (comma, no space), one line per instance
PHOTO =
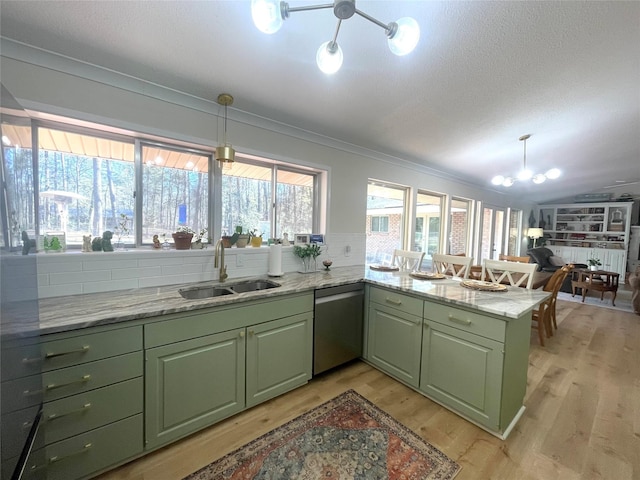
219,260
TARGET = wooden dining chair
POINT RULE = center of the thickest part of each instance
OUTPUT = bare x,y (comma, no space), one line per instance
543,318
514,258
514,273
407,260
454,265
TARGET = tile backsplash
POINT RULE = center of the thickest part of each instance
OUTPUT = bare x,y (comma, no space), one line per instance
76,273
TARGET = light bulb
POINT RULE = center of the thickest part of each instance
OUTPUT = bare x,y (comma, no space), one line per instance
525,174
553,173
508,182
406,36
266,15
329,57
497,180
539,178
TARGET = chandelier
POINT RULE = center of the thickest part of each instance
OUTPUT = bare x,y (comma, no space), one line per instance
402,35
525,174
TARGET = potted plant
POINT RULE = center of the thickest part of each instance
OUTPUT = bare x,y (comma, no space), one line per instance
255,238
182,238
197,239
594,263
308,253
240,238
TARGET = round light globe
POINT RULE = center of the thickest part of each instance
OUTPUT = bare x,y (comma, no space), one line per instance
406,36
266,15
329,61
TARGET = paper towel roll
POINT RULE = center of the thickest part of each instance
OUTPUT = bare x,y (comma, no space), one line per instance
275,260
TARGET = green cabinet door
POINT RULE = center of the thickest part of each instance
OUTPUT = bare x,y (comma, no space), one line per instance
279,356
394,342
192,384
463,371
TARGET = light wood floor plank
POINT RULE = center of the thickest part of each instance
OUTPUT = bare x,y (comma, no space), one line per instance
582,420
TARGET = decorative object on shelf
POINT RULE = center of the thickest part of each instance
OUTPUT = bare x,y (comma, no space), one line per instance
54,242
594,263
285,240
255,238
182,238
156,242
535,234
107,235
27,243
403,34
196,241
240,238
308,254
525,173
225,153
86,243
327,264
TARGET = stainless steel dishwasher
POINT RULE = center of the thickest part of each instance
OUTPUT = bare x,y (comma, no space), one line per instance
337,326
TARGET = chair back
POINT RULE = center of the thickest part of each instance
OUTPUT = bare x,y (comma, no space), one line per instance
513,258
454,265
517,274
407,260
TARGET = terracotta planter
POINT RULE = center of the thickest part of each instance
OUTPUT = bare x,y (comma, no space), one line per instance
226,241
182,240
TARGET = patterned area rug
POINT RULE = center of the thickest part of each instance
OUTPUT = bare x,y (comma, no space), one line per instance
345,438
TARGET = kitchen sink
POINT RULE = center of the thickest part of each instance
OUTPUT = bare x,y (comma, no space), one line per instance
204,292
253,285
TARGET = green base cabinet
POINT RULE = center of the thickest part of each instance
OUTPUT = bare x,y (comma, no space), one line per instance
463,371
279,357
192,384
394,334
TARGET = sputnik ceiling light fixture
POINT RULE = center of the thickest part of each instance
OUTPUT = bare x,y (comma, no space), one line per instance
403,34
225,153
525,173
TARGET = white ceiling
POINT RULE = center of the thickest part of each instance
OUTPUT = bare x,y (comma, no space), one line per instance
484,73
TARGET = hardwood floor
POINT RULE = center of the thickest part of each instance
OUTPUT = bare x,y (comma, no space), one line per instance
582,419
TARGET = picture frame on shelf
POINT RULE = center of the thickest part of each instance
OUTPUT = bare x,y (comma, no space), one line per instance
301,239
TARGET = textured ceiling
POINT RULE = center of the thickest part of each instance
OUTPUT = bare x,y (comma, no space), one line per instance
483,74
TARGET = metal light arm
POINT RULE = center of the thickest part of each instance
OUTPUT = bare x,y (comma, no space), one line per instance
285,9
390,29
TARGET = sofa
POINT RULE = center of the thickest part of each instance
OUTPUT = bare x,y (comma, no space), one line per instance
548,262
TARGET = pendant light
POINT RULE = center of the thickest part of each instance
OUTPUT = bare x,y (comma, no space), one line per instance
225,153
525,174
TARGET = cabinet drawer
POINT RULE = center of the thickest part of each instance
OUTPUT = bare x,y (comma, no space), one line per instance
476,323
86,411
88,348
88,376
90,452
399,301
185,327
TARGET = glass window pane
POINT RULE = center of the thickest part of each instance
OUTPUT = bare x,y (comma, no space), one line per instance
294,202
246,198
86,183
460,221
383,236
17,177
515,221
428,224
175,191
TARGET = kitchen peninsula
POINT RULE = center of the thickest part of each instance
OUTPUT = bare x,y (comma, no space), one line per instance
465,349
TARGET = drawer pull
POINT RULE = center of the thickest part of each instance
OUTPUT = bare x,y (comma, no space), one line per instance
83,408
55,459
242,334
461,321
393,301
83,379
84,349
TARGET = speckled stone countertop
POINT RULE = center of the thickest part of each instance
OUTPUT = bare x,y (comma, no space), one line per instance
73,312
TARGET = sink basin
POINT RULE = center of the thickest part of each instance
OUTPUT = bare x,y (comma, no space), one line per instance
204,292
253,285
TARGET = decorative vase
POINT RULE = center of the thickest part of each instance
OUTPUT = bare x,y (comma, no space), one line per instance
593,267
182,240
197,245
309,265
256,241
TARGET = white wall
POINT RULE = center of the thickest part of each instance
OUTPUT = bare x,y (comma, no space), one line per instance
46,83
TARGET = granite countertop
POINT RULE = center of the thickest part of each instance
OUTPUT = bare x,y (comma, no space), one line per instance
73,312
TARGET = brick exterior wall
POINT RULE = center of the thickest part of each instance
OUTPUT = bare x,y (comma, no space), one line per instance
458,237
380,244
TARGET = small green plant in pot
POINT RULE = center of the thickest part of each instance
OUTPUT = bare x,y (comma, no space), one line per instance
594,263
182,238
308,254
256,238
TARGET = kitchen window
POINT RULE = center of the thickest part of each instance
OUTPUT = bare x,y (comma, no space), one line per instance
383,236
460,216
428,232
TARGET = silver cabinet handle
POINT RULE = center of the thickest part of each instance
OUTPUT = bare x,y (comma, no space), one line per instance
83,379
55,416
83,349
461,321
241,334
393,301
55,459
